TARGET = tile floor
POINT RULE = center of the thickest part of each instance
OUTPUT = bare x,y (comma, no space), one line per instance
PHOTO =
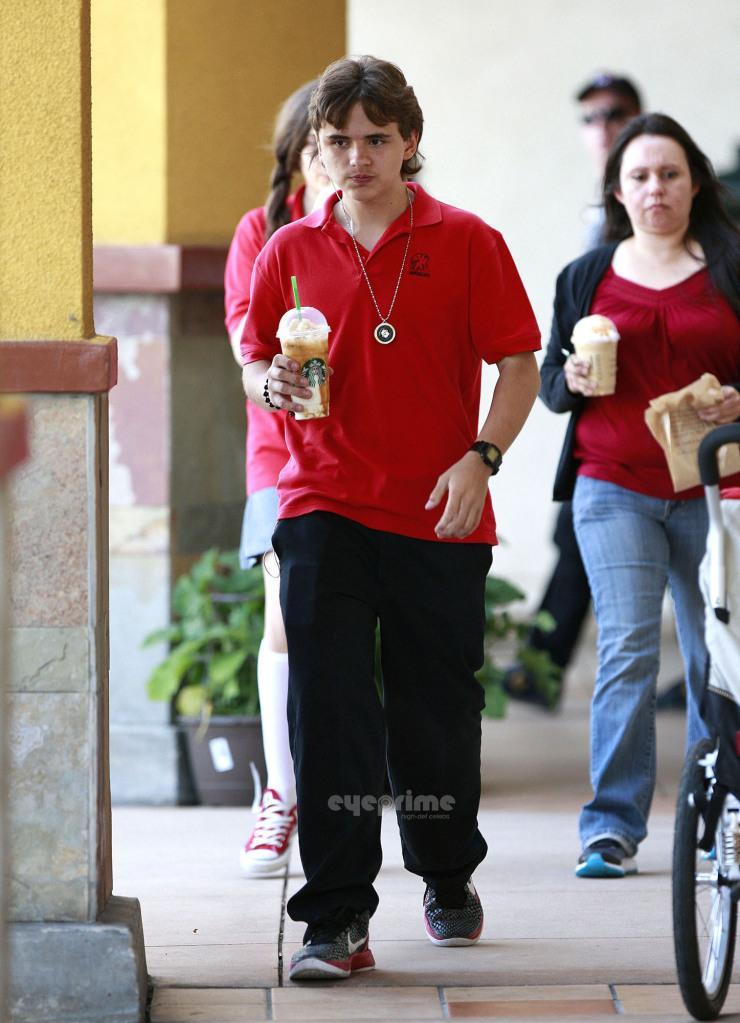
655,1003
552,946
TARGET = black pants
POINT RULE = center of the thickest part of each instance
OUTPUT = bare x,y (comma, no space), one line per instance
337,580
567,596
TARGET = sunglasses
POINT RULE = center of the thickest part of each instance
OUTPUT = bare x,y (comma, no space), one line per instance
608,116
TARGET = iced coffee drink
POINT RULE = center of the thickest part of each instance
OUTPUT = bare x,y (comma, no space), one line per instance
304,337
595,338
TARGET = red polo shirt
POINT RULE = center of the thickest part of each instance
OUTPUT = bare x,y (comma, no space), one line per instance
266,450
403,413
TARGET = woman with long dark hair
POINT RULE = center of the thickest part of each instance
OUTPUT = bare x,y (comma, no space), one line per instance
268,847
668,278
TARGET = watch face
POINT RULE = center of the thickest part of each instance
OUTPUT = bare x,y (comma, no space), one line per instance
493,456
490,455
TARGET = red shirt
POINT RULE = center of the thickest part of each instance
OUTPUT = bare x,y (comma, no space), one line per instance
403,413
668,338
266,450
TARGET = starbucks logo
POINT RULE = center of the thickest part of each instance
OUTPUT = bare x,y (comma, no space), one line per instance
315,372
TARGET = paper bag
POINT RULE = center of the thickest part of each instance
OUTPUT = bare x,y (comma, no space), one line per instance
673,421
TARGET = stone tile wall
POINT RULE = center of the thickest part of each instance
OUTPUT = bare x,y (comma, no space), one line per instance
59,809
142,743
208,431
177,430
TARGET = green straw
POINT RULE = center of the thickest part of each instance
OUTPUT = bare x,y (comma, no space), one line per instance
294,282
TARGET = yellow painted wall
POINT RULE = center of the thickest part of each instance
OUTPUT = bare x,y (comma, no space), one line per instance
129,121
184,97
230,65
45,189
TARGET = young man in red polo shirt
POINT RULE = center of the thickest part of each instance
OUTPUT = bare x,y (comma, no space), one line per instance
385,515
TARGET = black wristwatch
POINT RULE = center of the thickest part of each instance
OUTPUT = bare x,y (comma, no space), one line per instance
490,454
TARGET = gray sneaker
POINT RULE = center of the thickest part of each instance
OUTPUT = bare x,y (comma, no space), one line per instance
458,924
334,948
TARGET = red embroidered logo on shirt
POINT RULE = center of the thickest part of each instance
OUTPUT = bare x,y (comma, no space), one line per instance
420,264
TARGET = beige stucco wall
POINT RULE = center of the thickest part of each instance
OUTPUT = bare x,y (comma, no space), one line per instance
495,79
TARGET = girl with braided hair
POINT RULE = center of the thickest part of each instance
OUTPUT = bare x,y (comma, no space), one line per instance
268,847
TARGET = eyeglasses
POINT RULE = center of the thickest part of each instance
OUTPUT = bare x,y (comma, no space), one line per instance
608,116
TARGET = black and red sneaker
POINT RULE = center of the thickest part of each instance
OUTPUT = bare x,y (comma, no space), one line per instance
334,948
455,919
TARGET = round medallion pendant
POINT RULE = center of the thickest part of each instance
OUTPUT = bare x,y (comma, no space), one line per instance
384,333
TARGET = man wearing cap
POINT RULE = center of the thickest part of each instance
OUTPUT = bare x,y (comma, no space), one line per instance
607,102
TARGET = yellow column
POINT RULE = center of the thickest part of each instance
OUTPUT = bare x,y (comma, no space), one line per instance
45,174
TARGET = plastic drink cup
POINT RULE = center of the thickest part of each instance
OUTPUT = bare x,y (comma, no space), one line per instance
304,337
596,338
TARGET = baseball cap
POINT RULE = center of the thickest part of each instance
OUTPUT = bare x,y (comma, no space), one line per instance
616,83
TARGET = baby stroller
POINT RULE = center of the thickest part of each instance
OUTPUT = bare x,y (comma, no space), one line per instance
706,845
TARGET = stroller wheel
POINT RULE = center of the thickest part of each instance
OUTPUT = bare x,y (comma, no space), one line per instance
704,913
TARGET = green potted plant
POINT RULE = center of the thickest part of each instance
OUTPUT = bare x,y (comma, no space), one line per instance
501,626
210,675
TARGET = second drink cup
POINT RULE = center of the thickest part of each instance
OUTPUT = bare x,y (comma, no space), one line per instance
595,338
304,337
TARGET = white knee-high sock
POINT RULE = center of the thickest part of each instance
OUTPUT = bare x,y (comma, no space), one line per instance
272,680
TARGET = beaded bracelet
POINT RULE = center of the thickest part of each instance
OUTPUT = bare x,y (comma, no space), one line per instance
266,394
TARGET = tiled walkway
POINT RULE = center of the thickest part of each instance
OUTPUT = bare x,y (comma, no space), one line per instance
658,1003
553,946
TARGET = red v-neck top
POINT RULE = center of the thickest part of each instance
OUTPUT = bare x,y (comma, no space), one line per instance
403,413
668,338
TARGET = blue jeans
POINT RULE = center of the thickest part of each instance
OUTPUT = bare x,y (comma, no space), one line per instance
632,546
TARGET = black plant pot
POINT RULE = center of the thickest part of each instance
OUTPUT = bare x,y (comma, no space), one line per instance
220,757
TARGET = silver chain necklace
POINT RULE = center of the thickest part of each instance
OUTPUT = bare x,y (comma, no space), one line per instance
385,332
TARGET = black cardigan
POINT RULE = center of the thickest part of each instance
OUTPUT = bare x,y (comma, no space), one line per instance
574,293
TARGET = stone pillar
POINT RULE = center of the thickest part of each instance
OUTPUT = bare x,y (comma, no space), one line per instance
13,451
76,952
185,97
